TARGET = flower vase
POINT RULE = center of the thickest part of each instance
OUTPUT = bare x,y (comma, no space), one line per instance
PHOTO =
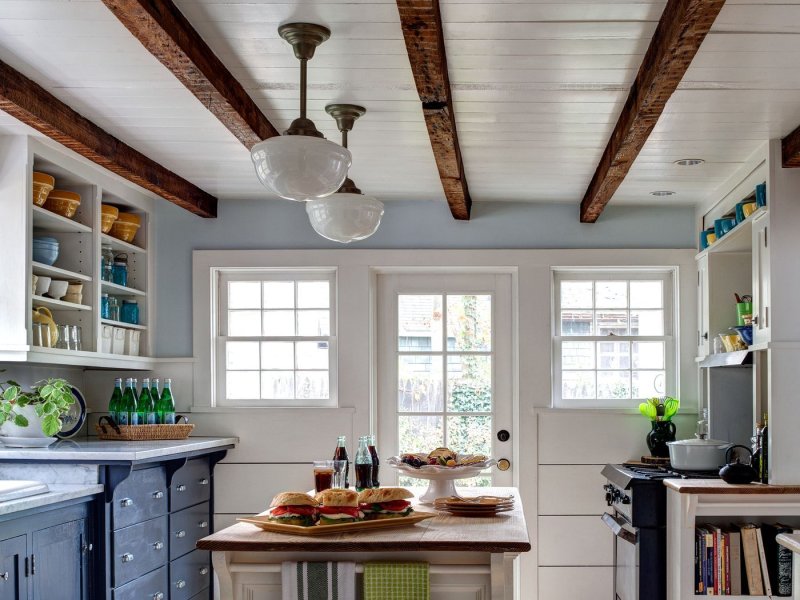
658,436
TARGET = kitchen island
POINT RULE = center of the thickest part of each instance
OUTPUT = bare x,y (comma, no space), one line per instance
469,557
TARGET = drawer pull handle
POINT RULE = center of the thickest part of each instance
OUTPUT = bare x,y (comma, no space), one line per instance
126,502
158,495
180,488
127,557
202,524
87,548
204,571
180,584
180,534
4,576
158,545
158,596
203,481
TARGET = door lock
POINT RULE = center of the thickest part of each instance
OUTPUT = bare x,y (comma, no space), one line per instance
504,464
503,435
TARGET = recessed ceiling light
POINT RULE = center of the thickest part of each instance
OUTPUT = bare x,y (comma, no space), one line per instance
689,162
662,193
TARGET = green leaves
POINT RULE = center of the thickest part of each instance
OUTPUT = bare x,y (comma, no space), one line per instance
20,421
50,398
660,409
51,425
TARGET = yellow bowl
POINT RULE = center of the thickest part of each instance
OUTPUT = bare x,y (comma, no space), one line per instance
127,217
749,208
43,184
108,214
63,203
124,231
711,238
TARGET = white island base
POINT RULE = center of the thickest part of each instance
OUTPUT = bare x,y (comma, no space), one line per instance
470,558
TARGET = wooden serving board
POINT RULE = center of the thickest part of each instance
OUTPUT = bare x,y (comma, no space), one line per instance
315,530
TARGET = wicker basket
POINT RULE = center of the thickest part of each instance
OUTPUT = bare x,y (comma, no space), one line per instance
138,433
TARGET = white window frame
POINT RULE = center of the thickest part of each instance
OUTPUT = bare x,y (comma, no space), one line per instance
669,277
221,277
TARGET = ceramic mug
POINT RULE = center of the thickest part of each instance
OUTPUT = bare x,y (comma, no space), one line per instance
42,285
74,287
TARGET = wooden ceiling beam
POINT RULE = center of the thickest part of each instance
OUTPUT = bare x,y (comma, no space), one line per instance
682,28
30,103
421,21
167,34
790,149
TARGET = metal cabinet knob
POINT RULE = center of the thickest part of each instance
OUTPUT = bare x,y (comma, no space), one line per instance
126,502
180,488
180,584
87,548
127,557
158,495
204,571
158,596
158,545
180,534
4,576
504,464
202,524
203,481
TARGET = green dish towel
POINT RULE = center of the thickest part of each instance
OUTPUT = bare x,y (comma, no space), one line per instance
396,581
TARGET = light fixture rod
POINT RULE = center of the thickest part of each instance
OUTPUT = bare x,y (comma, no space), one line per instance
303,83
344,138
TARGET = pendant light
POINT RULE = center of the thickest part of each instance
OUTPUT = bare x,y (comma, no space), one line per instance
348,215
301,164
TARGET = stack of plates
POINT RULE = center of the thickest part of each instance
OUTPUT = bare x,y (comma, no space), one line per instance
479,506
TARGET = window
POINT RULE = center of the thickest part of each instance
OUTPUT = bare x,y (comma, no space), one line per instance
275,338
613,337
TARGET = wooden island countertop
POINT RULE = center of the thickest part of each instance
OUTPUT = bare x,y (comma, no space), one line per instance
507,532
717,486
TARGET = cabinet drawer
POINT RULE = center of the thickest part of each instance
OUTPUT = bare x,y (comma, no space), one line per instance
186,527
139,549
189,575
153,586
142,496
191,484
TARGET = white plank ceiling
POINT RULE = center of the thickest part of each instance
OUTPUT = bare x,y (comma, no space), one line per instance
538,87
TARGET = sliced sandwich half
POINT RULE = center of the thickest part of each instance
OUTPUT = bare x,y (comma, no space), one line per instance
294,508
385,503
338,506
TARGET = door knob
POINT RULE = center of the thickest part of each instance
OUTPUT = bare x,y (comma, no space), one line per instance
504,464
503,435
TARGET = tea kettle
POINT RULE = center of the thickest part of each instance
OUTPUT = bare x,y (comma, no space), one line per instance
737,471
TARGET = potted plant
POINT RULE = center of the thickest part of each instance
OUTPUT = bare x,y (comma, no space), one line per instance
660,412
35,413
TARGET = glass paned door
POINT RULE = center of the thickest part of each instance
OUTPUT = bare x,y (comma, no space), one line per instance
445,367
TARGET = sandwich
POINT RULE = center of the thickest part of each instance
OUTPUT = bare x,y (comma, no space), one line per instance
294,508
385,503
338,506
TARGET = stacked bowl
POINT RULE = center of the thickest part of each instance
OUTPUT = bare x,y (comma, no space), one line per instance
45,250
126,226
63,202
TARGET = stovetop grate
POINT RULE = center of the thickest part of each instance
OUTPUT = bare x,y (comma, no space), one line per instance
656,472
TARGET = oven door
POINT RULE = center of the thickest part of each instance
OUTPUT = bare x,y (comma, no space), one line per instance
626,557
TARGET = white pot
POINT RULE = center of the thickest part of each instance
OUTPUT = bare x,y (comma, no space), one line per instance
697,455
33,430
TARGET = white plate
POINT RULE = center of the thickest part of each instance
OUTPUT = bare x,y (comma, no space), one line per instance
27,442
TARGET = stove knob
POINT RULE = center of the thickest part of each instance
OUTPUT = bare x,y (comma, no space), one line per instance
626,499
609,498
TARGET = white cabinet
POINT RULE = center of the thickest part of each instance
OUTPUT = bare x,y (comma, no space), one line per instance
703,336
80,241
761,280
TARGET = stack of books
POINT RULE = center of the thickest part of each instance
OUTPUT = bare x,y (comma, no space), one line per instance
741,560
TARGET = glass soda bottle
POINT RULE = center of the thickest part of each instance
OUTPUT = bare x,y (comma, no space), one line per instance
115,401
363,465
166,405
127,412
154,392
147,406
341,454
373,452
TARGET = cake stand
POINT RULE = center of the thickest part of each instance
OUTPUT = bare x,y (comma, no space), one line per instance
441,479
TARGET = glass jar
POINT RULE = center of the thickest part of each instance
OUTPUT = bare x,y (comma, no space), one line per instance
130,312
120,270
104,307
113,308
106,263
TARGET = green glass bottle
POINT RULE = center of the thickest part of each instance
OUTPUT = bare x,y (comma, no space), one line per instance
166,405
147,406
154,393
127,411
116,399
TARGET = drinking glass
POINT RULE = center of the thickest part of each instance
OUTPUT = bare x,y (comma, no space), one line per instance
323,475
63,342
339,467
75,338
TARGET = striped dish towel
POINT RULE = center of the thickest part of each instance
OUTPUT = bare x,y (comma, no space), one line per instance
318,580
396,581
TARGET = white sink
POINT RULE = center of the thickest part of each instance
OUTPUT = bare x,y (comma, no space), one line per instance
12,489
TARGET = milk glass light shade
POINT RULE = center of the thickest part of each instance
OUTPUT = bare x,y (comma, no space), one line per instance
345,217
301,167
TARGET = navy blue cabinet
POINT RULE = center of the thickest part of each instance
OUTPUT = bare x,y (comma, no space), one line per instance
13,553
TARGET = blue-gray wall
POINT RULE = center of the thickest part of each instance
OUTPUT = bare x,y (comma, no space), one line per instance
284,225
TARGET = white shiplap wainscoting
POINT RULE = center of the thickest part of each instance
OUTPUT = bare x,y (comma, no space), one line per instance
574,548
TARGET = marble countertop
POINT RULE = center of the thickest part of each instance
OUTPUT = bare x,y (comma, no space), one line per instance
92,449
59,492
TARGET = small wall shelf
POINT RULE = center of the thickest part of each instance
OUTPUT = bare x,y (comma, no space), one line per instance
49,271
120,246
738,239
58,304
123,324
115,289
45,219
